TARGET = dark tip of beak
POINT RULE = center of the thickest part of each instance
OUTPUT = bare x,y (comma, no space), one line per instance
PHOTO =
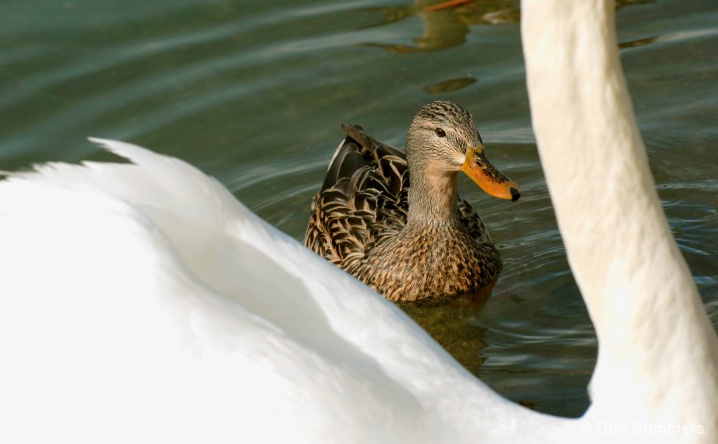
515,194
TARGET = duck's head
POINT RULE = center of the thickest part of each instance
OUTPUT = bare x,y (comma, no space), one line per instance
443,139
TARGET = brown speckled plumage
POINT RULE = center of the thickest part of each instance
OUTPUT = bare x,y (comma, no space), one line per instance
361,221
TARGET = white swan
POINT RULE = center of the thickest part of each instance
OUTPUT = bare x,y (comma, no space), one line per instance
658,354
141,302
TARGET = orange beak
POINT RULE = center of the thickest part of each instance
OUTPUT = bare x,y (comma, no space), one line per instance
494,182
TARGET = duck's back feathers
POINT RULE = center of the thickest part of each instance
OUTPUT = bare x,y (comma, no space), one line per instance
364,194
361,150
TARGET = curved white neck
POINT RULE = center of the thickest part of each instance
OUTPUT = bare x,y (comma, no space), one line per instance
657,347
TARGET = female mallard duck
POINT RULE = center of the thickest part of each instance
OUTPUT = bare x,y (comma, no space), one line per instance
410,242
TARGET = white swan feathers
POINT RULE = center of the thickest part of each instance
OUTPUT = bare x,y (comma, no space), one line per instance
142,300
658,354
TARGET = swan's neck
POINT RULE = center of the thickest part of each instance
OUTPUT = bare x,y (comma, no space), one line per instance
658,353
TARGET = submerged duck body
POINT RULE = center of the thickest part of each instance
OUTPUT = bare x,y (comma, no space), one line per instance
395,220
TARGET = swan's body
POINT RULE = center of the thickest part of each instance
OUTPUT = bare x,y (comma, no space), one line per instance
144,300
143,303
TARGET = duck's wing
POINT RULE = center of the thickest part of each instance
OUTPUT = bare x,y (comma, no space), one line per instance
364,197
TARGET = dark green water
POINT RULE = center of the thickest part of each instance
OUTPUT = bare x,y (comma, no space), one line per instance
253,93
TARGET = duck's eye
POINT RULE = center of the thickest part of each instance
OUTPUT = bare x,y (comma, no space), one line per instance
440,132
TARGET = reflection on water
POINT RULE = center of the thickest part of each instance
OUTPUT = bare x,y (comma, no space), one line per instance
638,42
445,24
449,85
452,324
254,92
